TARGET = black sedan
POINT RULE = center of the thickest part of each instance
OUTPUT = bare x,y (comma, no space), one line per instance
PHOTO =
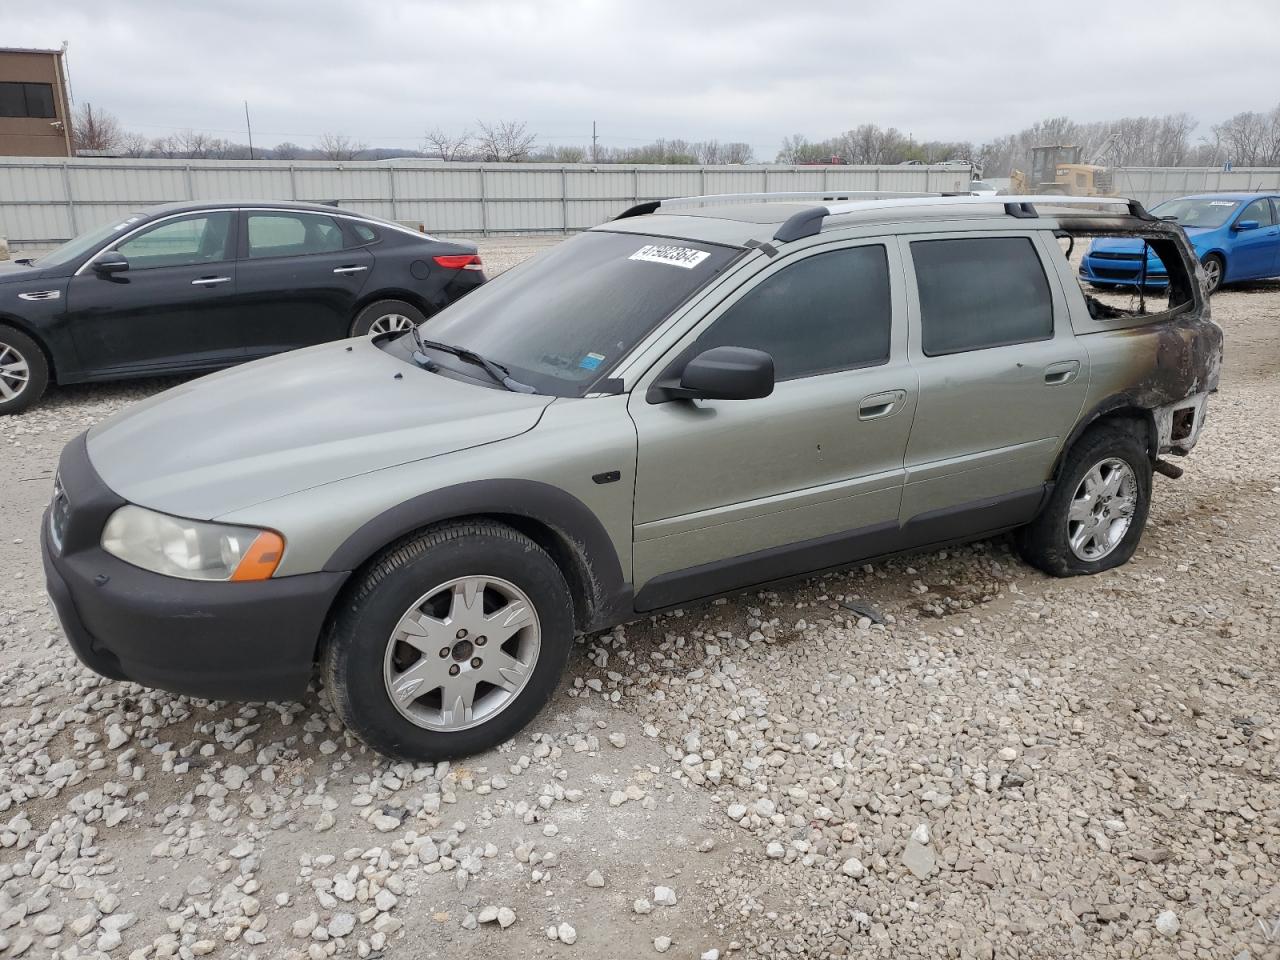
186,288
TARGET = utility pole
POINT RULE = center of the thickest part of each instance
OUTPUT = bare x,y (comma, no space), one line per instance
249,127
595,151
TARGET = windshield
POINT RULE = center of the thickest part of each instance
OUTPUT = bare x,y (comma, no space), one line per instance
74,249
562,320
1197,213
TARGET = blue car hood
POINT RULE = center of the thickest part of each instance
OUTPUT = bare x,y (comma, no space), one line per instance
1134,244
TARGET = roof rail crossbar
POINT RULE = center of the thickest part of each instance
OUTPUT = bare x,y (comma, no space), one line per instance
807,223
650,206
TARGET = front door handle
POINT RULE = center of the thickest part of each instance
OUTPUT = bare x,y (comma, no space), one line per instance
210,281
349,269
1064,371
880,405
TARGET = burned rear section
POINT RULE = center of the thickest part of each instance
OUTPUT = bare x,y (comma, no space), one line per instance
1155,356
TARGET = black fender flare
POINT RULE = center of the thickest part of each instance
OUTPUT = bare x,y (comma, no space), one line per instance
575,526
1113,404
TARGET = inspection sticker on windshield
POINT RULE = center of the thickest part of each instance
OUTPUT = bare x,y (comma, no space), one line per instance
591,361
1222,203
670,254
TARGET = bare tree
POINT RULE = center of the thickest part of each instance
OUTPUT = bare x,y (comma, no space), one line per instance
94,129
286,151
507,141
338,146
560,154
449,146
134,145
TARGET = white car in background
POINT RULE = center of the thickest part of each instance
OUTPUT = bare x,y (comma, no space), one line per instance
980,188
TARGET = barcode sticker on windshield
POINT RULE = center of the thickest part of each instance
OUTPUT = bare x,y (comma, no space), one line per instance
1222,203
670,254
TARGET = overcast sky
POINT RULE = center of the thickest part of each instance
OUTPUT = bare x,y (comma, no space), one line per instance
382,71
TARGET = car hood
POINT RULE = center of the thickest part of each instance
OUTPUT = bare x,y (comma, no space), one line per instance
11,272
298,420
1134,244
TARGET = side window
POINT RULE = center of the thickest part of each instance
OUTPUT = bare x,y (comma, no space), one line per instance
180,243
292,234
364,233
26,100
981,292
1259,210
828,312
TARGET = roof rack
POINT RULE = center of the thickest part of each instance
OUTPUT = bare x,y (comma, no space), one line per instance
649,206
807,223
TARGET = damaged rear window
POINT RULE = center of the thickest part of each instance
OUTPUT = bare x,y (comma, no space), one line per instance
1125,274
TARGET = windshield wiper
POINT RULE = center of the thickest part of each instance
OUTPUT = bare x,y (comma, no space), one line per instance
495,370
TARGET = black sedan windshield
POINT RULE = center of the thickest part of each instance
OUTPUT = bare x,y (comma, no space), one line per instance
562,320
1209,214
74,249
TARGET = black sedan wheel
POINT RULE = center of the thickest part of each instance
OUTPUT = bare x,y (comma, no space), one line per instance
24,372
386,316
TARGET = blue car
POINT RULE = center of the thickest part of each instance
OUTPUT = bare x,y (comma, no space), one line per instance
1236,236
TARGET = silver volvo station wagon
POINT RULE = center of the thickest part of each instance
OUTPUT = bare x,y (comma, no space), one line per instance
700,396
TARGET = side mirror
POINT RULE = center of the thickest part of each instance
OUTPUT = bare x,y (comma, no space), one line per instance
721,373
110,262
1247,225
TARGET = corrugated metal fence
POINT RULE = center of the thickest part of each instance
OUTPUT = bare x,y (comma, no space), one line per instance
47,201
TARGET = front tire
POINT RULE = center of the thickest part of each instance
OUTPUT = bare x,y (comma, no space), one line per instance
24,371
1098,510
386,316
1214,270
450,643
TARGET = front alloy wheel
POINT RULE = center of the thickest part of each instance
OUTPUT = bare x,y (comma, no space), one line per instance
449,642
462,653
15,372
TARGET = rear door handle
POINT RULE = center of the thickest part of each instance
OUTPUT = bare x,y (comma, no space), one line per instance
880,405
210,281
1064,371
349,269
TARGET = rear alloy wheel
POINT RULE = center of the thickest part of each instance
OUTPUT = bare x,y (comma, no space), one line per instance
1098,509
24,372
1213,270
386,316
450,642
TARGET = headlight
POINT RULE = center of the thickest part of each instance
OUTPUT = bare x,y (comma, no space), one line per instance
191,549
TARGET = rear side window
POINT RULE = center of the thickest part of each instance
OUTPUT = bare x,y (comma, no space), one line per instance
981,292
364,233
292,234
825,313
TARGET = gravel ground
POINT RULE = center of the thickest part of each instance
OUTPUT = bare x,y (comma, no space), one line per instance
1007,765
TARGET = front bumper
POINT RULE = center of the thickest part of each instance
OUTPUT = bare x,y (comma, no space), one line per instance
224,641
1120,272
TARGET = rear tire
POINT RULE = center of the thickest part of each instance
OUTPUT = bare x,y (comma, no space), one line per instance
1214,270
24,371
450,643
387,316
1096,515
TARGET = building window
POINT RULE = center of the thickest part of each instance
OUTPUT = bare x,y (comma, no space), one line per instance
27,100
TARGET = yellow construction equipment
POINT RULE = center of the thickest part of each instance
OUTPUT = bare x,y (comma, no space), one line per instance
1056,168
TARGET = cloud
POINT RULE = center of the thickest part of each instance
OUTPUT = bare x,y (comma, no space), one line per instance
383,72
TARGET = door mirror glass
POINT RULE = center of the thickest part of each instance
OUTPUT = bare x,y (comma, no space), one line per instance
721,373
110,262
1247,224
